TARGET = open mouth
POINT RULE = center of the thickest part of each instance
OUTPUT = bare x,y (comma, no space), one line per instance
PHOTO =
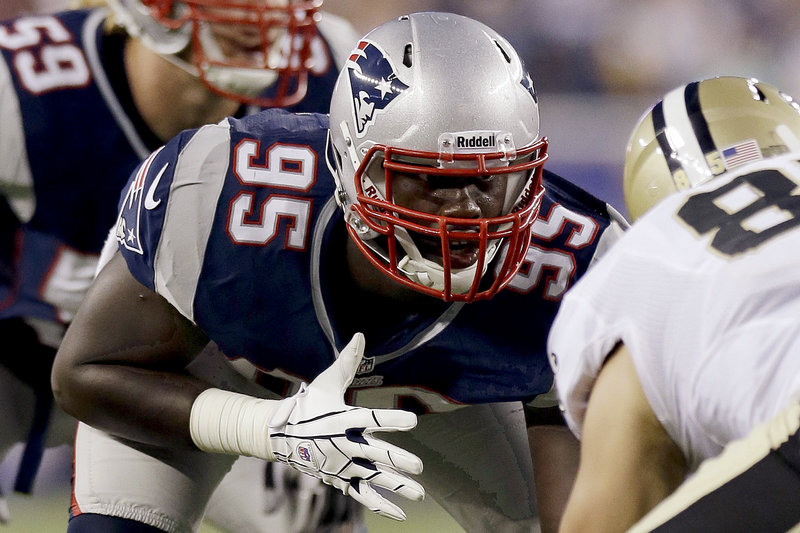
463,253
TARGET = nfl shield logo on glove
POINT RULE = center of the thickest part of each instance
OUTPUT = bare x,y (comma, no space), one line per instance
305,452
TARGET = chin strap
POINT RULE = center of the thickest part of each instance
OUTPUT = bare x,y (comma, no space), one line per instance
245,81
431,274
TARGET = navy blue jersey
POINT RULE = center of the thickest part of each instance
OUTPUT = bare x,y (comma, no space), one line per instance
235,225
68,146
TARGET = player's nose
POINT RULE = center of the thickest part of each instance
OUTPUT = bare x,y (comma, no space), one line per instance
461,203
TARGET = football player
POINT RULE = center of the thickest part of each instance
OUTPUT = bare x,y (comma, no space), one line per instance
410,244
680,347
87,94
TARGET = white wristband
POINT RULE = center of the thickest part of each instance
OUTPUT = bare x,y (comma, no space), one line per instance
228,422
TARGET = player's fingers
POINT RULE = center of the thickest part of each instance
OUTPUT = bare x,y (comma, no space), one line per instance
372,420
399,484
382,452
338,376
364,494
394,420
385,477
359,444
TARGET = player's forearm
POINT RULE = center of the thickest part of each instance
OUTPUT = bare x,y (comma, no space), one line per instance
628,461
120,365
151,407
606,507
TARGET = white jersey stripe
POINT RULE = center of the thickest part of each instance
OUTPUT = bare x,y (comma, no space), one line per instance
682,138
16,181
200,164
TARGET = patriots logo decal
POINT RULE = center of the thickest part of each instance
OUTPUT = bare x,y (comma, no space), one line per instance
527,82
127,230
373,82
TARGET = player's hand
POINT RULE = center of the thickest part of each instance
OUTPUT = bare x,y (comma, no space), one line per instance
315,432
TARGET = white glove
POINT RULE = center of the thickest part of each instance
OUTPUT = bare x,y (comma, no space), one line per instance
315,432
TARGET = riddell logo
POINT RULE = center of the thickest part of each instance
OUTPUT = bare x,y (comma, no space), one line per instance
475,141
371,192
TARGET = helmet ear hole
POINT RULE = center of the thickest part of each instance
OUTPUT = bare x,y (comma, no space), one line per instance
503,51
407,56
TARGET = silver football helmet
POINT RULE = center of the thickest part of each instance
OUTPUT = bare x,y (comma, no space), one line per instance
701,130
445,97
277,35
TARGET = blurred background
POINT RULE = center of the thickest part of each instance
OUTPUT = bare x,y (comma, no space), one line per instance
597,66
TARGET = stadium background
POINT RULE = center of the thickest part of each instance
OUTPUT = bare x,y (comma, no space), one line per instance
597,65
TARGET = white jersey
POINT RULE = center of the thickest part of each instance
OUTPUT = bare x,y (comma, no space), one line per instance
704,290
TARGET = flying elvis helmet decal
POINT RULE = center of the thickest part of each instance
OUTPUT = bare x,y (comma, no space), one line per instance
373,84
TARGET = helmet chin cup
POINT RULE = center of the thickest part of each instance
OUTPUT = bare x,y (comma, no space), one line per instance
241,81
432,275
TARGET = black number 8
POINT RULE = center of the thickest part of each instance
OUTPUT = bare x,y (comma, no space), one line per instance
703,214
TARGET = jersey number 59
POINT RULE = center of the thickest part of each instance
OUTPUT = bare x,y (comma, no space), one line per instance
45,56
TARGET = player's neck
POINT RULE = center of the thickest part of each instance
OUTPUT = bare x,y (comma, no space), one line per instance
369,281
367,300
168,98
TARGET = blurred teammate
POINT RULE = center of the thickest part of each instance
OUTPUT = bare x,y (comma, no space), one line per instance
85,95
680,347
421,233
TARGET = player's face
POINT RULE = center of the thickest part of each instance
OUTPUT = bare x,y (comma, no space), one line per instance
242,42
451,196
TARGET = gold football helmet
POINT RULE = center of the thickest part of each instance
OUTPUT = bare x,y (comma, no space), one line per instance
701,130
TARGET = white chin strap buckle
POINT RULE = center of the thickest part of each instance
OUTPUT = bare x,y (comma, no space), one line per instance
417,276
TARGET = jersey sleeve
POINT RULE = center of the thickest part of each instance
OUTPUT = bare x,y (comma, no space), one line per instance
16,181
616,228
591,320
610,304
167,211
577,346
